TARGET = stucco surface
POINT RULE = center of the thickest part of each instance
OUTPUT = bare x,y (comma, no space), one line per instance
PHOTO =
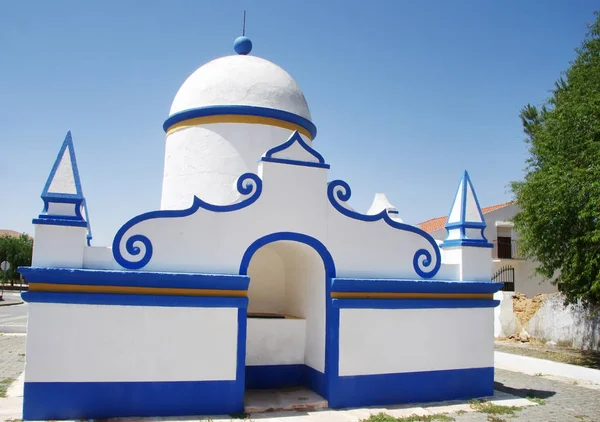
414,340
241,80
87,343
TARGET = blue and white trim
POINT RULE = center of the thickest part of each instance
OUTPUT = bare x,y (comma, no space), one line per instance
339,191
62,194
277,154
248,184
240,114
465,224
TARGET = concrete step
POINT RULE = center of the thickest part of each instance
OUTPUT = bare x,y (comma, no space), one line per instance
299,398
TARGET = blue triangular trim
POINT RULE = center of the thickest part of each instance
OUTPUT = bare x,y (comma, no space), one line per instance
67,144
77,199
295,138
466,183
89,225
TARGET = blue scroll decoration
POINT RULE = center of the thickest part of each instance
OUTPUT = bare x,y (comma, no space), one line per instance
247,184
339,191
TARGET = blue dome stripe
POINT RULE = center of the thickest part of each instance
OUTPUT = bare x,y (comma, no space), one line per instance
240,110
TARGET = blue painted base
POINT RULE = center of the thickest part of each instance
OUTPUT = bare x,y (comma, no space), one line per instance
274,376
412,387
316,381
285,376
96,400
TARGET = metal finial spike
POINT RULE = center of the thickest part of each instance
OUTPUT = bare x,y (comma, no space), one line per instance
244,26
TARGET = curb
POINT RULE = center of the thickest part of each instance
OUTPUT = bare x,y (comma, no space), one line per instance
10,303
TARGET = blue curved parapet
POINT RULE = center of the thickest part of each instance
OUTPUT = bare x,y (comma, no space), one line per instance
247,184
338,190
295,138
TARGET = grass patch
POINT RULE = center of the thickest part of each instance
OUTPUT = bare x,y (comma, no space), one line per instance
536,400
383,417
484,406
492,418
4,384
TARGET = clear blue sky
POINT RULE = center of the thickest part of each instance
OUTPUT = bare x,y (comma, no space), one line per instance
405,94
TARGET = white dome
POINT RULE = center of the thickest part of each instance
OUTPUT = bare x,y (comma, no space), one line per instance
241,80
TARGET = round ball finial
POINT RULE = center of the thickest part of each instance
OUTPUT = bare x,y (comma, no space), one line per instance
242,45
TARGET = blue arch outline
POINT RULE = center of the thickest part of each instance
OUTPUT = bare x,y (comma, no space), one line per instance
332,324
316,244
344,195
241,110
243,186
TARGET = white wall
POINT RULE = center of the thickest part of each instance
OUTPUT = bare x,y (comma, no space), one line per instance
95,343
526,281
505,320
99,258
267,292
294,199
275,341
206,160
530,283
61,208
475,264
306,293
571,326
297,289
387,341
58,246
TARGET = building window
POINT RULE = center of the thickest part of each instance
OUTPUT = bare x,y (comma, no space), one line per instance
504,247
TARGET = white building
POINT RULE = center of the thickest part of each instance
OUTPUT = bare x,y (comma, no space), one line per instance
509,266
254,273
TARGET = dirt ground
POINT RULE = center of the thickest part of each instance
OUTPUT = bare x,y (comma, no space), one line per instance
536,349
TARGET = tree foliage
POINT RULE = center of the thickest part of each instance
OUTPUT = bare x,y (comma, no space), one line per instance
17,250
559,221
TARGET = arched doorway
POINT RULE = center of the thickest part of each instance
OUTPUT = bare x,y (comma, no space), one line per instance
286,332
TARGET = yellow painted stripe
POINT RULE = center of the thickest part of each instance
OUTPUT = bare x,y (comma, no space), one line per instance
380,295
161,291
235,118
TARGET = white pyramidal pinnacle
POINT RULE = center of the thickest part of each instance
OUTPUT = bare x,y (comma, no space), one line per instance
380,203
64,176
64,203
465,223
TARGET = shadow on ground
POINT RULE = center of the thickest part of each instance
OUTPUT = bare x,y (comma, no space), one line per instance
523,392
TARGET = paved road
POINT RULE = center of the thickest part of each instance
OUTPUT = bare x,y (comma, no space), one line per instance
564,402
13,319
12,355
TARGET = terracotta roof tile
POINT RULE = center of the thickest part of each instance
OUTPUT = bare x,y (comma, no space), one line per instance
11,233
439,222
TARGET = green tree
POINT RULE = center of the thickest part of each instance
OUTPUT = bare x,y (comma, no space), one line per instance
559,221
17,250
